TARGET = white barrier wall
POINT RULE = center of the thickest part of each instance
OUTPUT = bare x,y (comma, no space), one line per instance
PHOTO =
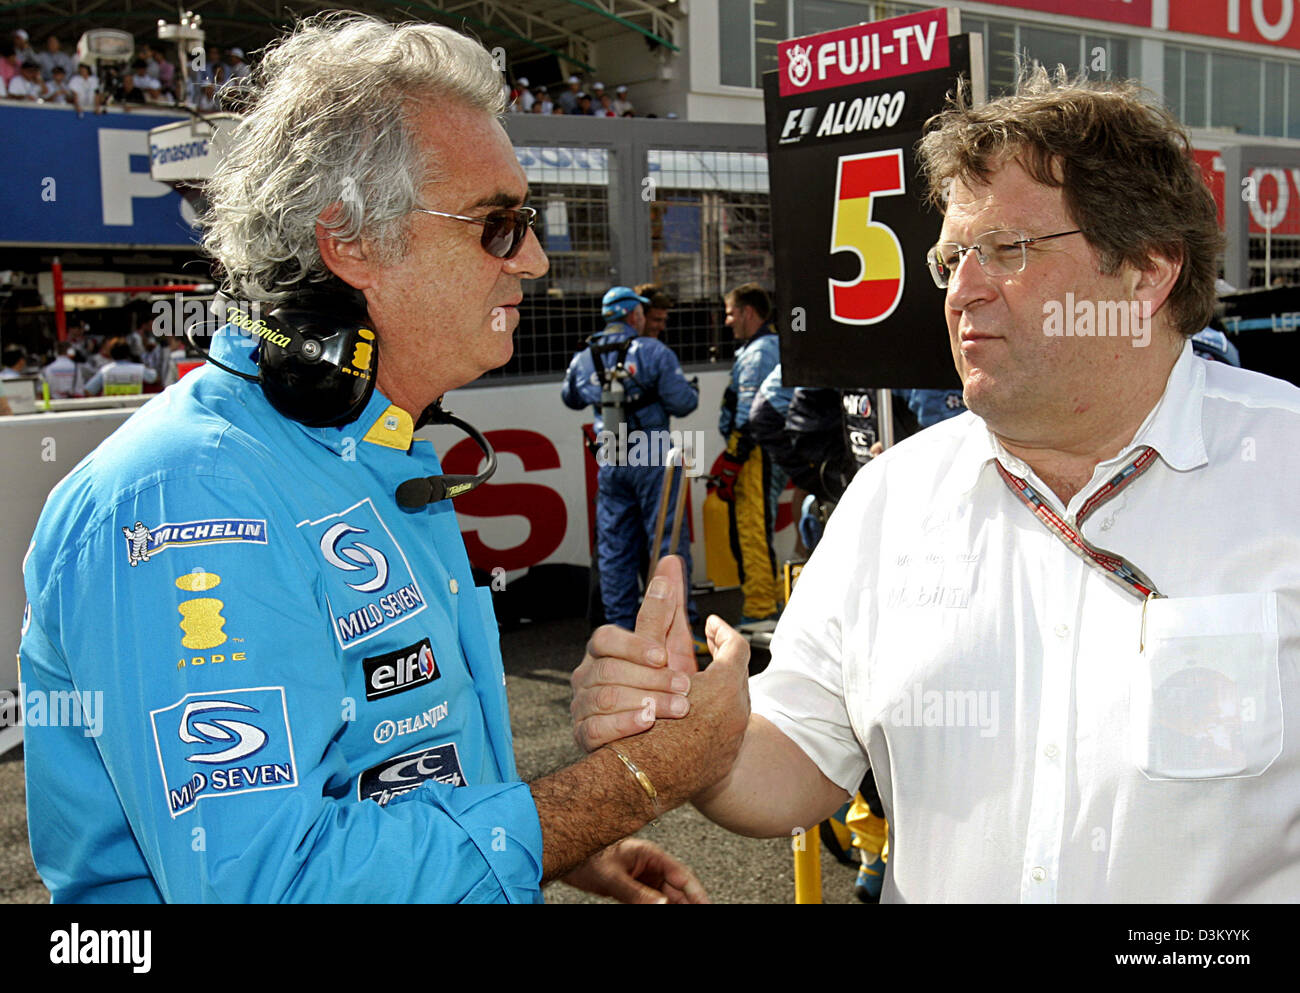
534,510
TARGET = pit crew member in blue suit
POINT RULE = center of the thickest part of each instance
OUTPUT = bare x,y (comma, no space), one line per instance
629,486
300,690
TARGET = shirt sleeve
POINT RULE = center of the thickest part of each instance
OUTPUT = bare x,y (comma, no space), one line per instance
676,393
802,691
755,365
214,773
572,392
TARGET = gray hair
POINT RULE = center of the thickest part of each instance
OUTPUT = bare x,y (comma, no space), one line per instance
329,140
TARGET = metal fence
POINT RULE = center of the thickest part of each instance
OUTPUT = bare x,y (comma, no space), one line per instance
630,201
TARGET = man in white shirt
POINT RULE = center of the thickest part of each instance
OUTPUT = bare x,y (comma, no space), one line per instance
27,84
63,375
84,87
1063,628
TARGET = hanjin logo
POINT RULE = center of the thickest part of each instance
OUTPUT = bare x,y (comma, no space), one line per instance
399,671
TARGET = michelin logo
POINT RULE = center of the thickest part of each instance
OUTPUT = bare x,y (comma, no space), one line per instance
143,542
212,745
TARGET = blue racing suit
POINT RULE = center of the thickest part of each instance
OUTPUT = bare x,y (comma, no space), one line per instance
627,496
288,687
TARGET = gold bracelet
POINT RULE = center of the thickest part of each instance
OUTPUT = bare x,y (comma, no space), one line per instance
641,778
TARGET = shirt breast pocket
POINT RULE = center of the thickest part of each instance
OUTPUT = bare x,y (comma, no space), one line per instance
1205,697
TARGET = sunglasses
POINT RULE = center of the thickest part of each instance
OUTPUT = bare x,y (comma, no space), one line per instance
504,230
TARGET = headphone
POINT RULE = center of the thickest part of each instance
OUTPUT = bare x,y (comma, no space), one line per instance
318,358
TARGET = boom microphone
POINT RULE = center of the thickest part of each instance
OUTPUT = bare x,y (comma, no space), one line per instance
418,493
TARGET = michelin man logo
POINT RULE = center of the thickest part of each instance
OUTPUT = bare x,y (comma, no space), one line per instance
137,540
800,68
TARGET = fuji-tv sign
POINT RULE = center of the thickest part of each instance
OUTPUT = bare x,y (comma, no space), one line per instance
865,52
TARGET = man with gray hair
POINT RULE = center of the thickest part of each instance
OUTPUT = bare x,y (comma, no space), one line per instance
303,688
1046,624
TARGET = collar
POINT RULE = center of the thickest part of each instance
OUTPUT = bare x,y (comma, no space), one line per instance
382,422
1173,428
616,328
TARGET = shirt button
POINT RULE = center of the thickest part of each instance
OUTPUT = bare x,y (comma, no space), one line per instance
1062,630
453,586
1050,751
1038,873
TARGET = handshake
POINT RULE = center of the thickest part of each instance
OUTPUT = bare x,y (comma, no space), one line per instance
632,682
680,728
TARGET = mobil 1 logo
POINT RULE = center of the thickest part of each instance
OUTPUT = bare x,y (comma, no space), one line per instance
399,671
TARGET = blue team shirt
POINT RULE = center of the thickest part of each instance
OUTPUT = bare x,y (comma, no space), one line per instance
651,365
755,360
301,689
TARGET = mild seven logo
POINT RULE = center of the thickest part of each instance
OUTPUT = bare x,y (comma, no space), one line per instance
369,585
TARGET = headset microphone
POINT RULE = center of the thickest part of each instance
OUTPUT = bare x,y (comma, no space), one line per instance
317,363
418,493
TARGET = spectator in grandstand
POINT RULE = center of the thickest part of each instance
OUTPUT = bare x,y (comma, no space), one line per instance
130,93
23,50
584,105
162,70
633,439
56,90
747,478
557,109
63,375
239,68
605,108
14,362
656,310
207,101
621,105
569,98
143,83
84,87
364,802
54,57
121,376
542,103
27,84
1043,550
214,69
8,67
522,97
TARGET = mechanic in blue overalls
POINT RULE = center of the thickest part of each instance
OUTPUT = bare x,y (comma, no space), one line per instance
637,385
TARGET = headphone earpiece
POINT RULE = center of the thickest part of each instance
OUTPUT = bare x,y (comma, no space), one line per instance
318,356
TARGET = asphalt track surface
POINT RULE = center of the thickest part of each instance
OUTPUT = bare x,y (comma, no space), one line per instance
538,658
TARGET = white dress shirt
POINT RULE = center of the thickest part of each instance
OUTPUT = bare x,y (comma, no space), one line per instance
1031,740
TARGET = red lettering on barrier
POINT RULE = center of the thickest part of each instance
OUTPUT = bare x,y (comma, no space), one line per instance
542,506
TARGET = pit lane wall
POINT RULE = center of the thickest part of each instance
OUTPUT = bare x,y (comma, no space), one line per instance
533,512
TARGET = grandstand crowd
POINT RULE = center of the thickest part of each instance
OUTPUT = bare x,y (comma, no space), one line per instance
54,75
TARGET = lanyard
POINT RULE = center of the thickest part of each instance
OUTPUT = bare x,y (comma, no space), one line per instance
1128,576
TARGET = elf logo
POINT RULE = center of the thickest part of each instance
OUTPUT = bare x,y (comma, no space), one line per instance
399,671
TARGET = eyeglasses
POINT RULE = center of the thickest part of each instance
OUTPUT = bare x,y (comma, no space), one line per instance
1000,253
504,230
